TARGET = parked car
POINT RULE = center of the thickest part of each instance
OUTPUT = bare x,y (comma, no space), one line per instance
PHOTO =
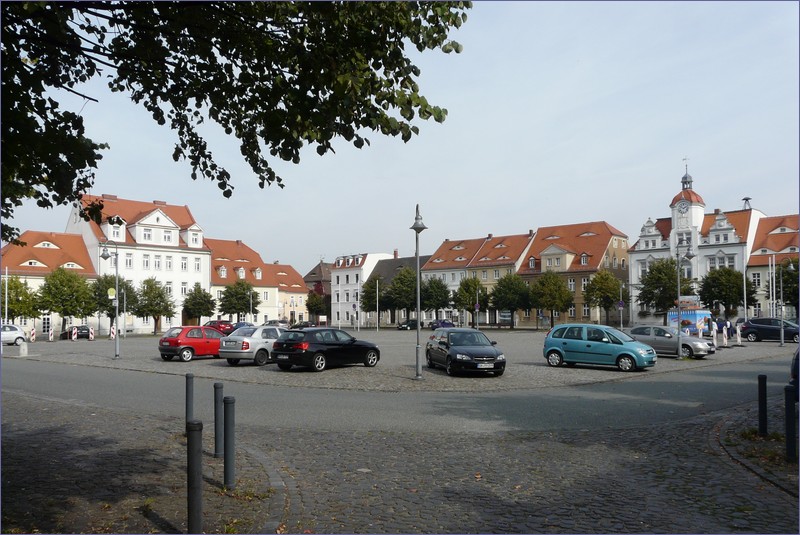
757,329
240,324
464,350
409,325
665,341
223,326
577,343
83,332
13,335
441,324
189,342
303,325
320,347
249,343
277,323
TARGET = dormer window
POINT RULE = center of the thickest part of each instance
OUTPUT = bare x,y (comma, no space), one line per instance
358,260
223,272
115,232
195,238
584,260
167,236
240,272
338,262
147,234
532,263
258,274
349,262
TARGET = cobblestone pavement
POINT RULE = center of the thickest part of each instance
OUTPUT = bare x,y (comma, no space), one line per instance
69,467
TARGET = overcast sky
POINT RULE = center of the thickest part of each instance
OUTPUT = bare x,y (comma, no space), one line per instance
559,113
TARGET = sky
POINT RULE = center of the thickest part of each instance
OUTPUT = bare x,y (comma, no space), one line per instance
558,113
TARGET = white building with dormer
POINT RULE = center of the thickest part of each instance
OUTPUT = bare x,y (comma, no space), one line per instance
348,274
717,239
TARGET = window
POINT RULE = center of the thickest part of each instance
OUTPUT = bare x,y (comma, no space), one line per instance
532,263
356,278
337,297
197,265
757,280
167,236
266,296
184,288
157,262
614,262
558,261
484,275
347,297
168,287
584,283
219,294
496,274
168,263
146,261
223,272
347,279
337,279
195,238
549,262
452,276
115,231
584,260
184,263
572,311
240,272
147,234
258,274
571,284
129,260
586,310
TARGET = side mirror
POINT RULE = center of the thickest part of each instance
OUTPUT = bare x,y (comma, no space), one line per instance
494,343
668,335
606,340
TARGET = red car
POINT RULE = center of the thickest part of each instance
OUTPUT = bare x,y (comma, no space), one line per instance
223,326
188,342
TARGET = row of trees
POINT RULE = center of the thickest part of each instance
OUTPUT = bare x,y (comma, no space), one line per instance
69,295
722,290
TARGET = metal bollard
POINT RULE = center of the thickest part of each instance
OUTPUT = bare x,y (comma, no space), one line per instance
791,424
230,444
218,421
194,473
762,405
189,397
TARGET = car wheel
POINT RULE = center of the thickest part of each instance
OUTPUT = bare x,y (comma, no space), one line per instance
371,359
319,362
18,341
626,363
166,357
262,357
498,373
187,354
752,337
554,358
233,362
686,352
794,338
429,360
284,366
448,366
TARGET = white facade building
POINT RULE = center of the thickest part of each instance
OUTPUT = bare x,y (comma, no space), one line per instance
348,274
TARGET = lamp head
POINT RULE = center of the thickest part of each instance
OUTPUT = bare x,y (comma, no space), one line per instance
689,253
418,225
105,254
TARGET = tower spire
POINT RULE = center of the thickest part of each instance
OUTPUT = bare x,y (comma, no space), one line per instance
686,181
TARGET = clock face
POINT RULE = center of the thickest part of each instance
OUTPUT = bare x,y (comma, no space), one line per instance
683,207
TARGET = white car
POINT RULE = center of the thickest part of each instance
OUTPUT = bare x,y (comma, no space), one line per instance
13,334
250,343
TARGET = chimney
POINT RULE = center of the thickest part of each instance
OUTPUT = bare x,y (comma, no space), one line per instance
396,254
109,197
490,237
716,211
160,203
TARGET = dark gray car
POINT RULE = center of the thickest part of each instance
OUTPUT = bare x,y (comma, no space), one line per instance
457,350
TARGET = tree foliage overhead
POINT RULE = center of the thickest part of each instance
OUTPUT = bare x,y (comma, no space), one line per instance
128,296
511,293
22,302
725,286
239,298
470,290
604,291
276,75
660,286
434,295
67,294
550,292
198,302
153,302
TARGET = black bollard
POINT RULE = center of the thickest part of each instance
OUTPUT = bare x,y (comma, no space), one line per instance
230,444
762,405
218,421
194,473
189,397
791,424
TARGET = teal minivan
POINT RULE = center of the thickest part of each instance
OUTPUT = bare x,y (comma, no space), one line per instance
579,343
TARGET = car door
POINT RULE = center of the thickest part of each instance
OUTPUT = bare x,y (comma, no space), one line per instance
211,341
663,341
598,346
644,334
574,345
347,351
439,347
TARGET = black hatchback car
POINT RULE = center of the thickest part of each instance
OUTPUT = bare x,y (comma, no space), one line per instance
756,329
82,332
320,347
463,349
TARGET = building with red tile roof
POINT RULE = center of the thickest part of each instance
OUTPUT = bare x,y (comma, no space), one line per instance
775,245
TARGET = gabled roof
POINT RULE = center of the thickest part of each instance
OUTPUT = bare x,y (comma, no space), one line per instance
233,255
285,278
769,236
501,250
740,219
389,267
591,239
453,254
134,211
44,252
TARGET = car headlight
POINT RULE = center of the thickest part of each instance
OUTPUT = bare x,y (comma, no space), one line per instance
461,356
642,351
501,357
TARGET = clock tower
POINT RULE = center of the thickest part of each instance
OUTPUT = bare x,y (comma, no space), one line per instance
688,208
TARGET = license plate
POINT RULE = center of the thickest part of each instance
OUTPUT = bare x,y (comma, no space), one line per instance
165,343
283,357
229,343
482,365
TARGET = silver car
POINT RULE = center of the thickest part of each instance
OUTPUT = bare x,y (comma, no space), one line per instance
250,343
665,341
13,334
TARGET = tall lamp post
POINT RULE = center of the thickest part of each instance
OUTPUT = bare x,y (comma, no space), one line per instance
621,305
105,255
790,269
688,256
418,227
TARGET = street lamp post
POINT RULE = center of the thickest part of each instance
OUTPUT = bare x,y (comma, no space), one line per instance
621,305
688,256
791,270
418,227
105,255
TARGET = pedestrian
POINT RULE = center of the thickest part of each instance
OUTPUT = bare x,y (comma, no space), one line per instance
713,332
725,326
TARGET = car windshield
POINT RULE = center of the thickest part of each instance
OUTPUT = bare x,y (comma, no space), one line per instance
244,331
620,335
790,324
469,339
292,336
